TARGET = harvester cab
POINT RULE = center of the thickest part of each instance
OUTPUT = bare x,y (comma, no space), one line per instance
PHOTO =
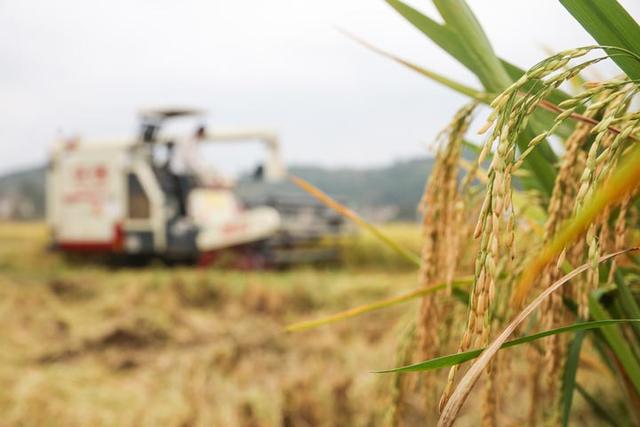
137,198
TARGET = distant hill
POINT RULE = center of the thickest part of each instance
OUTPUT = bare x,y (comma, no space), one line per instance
22,194
380,194
398,186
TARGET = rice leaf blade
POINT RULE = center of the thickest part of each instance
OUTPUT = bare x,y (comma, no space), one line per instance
351,215
617,343
449,41
438,78
598,409
457,358
475,43
443,36
385,303
627,300
569,380
463,38
610,25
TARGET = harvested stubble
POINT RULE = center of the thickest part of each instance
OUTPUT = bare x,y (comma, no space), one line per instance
89,346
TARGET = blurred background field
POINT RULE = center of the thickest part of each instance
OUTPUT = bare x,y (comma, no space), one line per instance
96,345
89,339
88,344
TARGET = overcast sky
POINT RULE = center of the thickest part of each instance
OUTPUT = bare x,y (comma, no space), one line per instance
80,67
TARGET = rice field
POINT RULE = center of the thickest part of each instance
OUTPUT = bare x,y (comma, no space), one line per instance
89,345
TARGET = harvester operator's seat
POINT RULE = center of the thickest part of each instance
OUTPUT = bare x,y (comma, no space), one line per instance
176,188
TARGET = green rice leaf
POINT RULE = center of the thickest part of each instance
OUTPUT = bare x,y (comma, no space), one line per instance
462,89
440,34
449,41
463,38
541,165
617,342
598,409
610,25
457,358
627,301
458,16
569,380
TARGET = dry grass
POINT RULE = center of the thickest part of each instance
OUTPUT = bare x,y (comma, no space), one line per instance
180,347
92,346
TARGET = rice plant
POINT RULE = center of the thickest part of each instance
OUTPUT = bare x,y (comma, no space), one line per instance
561,277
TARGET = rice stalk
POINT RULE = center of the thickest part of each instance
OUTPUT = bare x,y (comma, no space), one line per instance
401,382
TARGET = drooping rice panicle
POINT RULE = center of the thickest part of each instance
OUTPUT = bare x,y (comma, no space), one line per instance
442,207
560,209
606,147
495,227
613,100
621,231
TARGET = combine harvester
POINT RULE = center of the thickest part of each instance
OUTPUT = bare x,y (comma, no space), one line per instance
121,198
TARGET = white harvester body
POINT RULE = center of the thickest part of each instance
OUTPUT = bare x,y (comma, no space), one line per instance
86,202
110,197
120,197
